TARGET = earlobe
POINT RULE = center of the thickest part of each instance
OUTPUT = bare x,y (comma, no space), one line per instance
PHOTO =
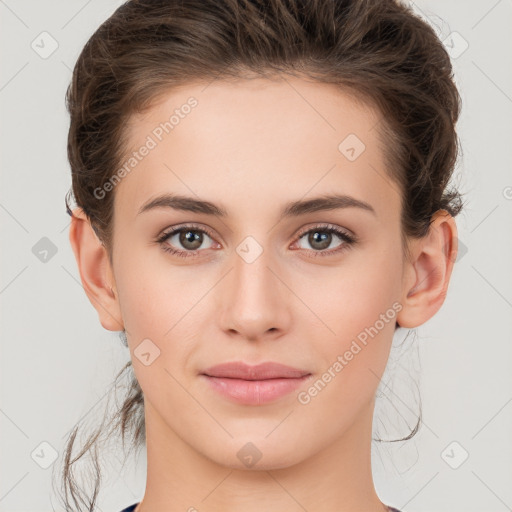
427,276
95,271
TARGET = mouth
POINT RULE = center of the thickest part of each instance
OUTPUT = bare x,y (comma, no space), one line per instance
263,371
254,385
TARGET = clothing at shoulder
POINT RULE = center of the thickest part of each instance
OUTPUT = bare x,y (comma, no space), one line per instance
131,508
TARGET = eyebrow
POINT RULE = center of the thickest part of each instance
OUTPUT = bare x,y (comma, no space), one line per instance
292,209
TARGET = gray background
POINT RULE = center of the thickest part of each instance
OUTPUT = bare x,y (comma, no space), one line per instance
57,361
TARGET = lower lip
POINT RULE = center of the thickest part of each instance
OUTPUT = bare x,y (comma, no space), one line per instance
254,392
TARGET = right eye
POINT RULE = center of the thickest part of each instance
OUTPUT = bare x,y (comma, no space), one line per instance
189,237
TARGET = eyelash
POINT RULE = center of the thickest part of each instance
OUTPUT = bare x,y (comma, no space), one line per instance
323,228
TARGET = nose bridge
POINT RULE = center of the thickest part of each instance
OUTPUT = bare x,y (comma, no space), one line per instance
252,271
254,302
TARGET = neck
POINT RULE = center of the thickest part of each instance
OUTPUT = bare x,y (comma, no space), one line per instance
337,479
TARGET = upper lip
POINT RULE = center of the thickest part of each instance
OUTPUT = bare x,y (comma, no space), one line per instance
263,371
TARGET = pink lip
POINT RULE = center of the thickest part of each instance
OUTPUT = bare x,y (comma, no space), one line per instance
254,385
263,371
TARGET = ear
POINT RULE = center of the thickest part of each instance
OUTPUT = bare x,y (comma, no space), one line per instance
95,271
428,272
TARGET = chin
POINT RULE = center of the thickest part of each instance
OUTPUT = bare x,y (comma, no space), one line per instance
256,455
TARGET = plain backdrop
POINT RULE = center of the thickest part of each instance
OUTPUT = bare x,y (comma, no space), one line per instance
57,361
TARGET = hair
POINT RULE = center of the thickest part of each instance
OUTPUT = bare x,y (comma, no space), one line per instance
377,51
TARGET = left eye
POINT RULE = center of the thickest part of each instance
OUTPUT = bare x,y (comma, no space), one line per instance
191,238
322,237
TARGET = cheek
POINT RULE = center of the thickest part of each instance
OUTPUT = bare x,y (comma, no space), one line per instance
162,304
355,312
348,298
152,295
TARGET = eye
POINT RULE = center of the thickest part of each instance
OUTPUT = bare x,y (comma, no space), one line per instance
189,237
320,237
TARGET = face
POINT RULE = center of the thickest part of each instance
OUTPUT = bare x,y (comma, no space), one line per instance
254,280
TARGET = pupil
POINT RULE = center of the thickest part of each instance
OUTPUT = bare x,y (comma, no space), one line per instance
324,239
190,237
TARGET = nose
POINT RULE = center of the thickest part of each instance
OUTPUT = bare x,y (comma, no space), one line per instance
254,300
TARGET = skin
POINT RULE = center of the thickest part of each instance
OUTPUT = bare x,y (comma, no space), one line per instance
251,147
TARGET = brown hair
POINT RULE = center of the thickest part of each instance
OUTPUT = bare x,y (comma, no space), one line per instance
378,51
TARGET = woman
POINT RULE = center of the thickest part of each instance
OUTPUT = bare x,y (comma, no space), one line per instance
261,192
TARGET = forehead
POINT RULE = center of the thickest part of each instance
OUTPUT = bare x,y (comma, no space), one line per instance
249,140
